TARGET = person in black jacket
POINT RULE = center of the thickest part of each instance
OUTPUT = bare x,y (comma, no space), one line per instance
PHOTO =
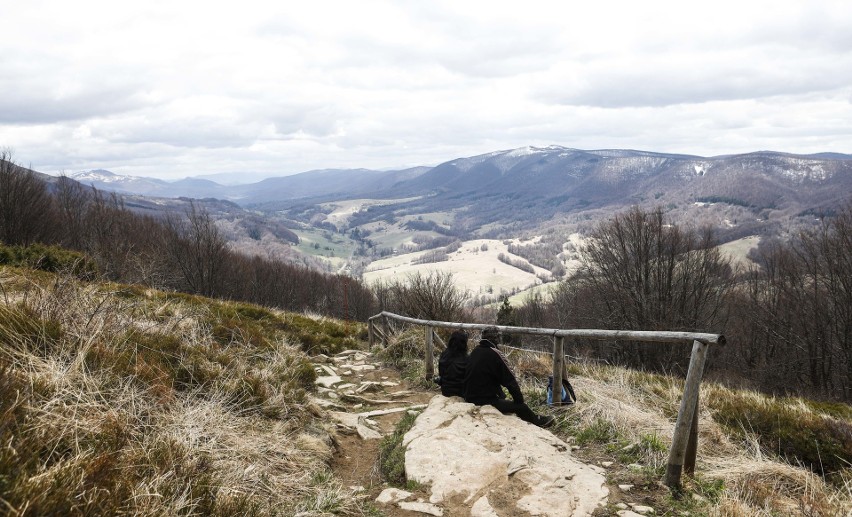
452,365
487,373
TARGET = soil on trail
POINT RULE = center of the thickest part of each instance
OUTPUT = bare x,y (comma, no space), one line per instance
367,400
356,460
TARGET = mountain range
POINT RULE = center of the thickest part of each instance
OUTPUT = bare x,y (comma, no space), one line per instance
538,182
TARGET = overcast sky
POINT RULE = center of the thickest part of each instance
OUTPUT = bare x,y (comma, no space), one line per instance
179,88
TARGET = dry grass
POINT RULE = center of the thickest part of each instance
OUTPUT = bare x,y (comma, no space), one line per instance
630,415
120,400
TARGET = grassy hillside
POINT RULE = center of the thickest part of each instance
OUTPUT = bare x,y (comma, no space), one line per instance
116,399
758,456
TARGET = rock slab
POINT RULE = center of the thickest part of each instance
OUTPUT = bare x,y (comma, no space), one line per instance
477,457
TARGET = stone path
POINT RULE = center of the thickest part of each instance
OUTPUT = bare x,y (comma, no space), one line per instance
471,461
366,401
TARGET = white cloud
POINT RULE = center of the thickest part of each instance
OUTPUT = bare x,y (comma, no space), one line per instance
178,88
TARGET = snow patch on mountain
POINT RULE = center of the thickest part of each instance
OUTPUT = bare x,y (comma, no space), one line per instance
800,170
105,176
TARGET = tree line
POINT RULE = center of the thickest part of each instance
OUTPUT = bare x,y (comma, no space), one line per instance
182,251
787,316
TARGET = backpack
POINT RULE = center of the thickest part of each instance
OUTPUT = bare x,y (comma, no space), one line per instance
568,396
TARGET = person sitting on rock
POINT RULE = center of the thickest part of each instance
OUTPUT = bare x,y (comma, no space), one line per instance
452,365
487,371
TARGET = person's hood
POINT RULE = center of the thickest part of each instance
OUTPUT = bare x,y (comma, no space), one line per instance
488,343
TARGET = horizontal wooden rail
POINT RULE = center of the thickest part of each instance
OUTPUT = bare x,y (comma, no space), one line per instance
684,443
620,335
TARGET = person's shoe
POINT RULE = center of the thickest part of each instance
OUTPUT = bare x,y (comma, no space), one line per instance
545,421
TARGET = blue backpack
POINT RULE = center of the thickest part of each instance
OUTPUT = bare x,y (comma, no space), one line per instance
568,396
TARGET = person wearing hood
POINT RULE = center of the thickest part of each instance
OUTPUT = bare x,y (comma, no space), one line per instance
452,365
488,372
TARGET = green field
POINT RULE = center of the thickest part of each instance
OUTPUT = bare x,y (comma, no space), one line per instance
333,247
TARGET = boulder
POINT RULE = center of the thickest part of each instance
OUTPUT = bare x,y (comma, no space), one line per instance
498,464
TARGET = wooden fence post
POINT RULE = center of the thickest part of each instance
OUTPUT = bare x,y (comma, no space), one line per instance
692,444
430,360
371,334
558,365
687,413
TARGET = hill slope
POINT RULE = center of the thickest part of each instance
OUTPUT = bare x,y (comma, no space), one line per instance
121,400
117,399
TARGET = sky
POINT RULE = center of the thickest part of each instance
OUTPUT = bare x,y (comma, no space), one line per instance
179,88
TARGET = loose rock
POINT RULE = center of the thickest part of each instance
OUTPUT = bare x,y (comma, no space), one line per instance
328,370
644,510
627,513
392,495
369,387
426,508
328,380
362,367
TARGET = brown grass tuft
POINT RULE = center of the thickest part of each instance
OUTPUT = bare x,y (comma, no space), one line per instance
116,400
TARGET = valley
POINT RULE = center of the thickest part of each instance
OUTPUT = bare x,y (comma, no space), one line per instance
460,216
647,263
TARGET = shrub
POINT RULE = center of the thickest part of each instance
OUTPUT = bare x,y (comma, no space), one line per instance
48,258
319,336
431,296
787,428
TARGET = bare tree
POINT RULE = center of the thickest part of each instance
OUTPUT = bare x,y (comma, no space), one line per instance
795,312
26,208
652,275
72,200
641,273
432,296
197,250
109,234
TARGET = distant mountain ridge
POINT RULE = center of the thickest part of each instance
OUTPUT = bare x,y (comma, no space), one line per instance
565,178
137,185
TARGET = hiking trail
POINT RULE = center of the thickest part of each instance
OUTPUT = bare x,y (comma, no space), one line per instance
470,461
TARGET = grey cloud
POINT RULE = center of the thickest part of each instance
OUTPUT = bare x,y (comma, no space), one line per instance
658,86
191,132
43,89
815,28
486,55
313,120
34,107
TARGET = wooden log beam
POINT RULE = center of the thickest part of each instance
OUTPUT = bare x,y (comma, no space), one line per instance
618,335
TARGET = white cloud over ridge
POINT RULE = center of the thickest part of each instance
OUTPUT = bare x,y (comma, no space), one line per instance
171,89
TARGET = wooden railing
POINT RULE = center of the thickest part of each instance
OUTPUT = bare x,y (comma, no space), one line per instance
685,438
